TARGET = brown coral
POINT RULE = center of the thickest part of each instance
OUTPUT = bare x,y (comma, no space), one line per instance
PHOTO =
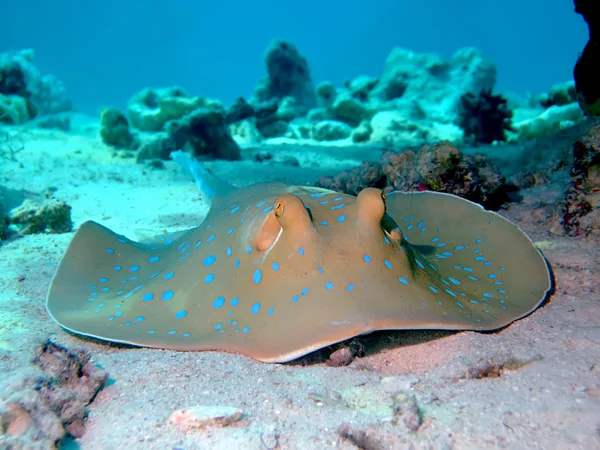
438,167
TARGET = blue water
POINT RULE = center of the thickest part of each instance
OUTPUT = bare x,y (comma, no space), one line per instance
107,50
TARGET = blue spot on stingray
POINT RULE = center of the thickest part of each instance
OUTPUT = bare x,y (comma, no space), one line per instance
172,332
270,311
459,304
441,244
209,260
301,251
329,285
94,293
295,298
255,308
211,238
209,278
103,280
234,301
168,276
479,258
304,291
198,244
257,277
492,275
119,313
317,195
487,263
475,302
340,206
110,250
459,247
386,240
337,199
231,230
420,224
263,203
245,330
423,229
454,280
147,297
105,289
501,268
219,302
409,227
275,266
420,264
181,314
151,331
350,287
117,268
267,209
167,295
234,209
169,241
153,259
435,239
320,270
366,258
139,319
218,326
228,251
485,294
434,290
324,223
134,268
341,219
470,277
387,263
324,202
450,292
468,269
154,275
135,277
478,241
236,264
402,280
249,249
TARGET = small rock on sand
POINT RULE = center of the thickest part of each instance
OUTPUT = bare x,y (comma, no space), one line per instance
203,416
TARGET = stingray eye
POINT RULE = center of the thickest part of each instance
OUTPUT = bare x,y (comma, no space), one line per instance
279,207
383,198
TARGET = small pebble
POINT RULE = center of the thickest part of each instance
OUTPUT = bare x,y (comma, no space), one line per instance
203,416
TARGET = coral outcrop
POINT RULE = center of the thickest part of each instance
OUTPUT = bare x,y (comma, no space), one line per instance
439,167
587,71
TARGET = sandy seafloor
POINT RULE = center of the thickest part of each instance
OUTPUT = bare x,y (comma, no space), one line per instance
550,400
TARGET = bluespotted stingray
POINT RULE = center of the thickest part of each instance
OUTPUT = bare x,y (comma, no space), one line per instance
277,271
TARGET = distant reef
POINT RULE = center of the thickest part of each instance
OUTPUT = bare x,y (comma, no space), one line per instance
25,93
418,98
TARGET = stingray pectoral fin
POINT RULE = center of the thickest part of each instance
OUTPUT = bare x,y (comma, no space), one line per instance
101,282
473,268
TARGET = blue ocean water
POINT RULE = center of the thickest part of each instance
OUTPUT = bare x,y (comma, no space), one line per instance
105,51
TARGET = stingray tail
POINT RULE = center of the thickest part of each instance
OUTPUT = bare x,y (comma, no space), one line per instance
207,183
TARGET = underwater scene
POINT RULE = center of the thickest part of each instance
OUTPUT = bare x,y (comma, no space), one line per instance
311,225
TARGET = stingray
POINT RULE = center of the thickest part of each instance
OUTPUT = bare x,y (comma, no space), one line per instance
277,271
